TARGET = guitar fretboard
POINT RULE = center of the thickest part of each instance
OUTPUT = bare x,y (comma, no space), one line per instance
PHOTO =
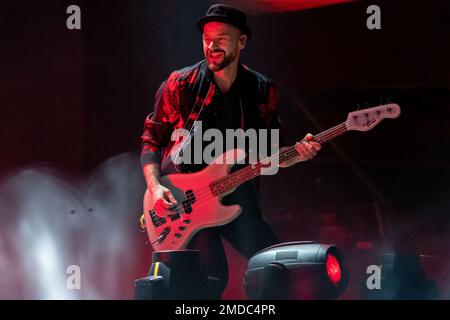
237,178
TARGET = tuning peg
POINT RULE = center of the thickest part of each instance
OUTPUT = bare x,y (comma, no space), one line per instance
389,99
358,106
366,104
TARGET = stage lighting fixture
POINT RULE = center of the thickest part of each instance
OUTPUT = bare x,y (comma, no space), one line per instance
296,270
176,274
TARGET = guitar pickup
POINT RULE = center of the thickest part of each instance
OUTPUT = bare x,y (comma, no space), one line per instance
174,216
156,220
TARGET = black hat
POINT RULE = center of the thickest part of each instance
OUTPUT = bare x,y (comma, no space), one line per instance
227,14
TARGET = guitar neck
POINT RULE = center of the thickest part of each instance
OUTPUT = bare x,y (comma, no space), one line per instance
237,178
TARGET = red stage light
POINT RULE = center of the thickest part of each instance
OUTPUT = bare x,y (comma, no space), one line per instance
303,270
333,269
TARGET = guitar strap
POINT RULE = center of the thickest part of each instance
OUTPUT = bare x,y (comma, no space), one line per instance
193,116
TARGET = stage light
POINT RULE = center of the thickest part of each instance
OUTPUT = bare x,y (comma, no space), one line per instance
296,270
333,269
175,275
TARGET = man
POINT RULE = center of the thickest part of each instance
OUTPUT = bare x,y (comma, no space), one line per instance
223,94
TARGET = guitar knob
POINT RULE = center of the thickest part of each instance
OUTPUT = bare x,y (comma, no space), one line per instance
181,228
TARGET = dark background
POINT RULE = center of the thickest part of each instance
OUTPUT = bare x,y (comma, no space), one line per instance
72,99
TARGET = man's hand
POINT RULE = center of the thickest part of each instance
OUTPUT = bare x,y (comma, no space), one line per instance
163,199
306,150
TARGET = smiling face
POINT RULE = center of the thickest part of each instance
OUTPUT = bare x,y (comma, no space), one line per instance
222,44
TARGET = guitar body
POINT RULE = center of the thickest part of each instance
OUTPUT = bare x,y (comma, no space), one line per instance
173,229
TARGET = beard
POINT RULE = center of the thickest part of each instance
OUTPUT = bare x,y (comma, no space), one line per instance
215,64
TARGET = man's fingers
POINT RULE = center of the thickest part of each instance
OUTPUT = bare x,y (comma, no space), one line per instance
171,197
302,150
305,150
170,200
316,145
309,138
164,203
311,149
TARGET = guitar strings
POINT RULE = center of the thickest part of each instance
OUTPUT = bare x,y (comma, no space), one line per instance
320,138
252,171
324,136
287,154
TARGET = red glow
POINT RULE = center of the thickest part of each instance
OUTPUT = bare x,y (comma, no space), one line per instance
271,6
333,269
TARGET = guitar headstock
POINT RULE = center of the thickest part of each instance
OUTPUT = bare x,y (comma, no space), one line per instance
364,120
